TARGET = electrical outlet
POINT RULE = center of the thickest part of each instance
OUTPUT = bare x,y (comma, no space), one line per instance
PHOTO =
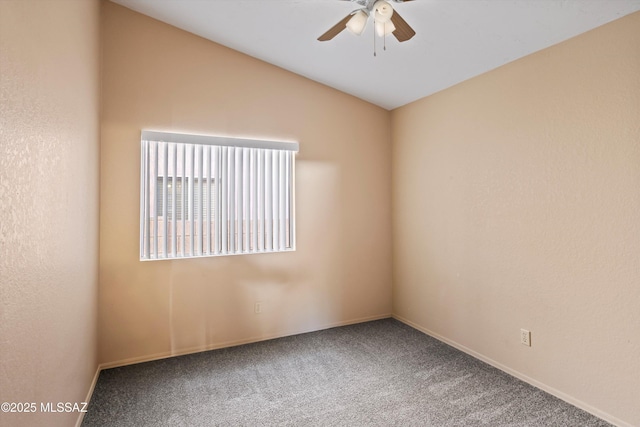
258,308
525,337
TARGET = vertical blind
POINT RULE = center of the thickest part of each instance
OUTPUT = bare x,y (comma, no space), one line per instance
211,196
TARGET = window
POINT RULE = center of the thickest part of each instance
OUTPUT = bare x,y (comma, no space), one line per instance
211,196
179,203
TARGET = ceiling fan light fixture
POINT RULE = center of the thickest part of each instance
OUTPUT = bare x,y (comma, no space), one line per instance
358,22
383,11
384,28
386,21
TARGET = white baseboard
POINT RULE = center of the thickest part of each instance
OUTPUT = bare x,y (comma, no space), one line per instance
89,394
557,393
199,349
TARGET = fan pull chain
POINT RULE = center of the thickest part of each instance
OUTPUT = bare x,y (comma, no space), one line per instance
384,38
374,42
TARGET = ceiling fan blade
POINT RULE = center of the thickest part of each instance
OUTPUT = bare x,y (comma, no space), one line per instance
336,29
403,31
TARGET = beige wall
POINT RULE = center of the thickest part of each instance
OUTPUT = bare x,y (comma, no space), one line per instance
49,111
160,78
516,204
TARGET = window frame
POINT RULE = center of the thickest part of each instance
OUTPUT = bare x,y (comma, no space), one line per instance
250,229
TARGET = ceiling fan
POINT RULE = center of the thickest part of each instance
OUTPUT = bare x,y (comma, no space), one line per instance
386,20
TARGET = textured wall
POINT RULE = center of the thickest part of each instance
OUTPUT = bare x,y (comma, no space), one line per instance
517,205
49,106
158,77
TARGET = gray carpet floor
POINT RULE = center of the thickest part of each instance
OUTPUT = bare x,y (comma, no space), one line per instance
380,373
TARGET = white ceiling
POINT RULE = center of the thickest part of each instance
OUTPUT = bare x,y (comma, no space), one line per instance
455,40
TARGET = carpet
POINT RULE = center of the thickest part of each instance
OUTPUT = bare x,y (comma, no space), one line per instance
380,373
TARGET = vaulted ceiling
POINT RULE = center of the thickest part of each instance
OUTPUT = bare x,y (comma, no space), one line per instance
455,40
